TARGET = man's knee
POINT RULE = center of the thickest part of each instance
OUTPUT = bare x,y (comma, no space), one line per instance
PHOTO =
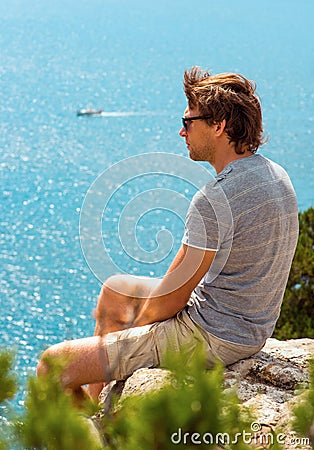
120,301
53,358
45,361
42,368
124,285
130,286
114,290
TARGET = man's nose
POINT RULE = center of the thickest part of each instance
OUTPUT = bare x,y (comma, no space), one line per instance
182,132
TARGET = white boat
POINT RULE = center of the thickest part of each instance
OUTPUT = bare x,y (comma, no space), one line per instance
89,112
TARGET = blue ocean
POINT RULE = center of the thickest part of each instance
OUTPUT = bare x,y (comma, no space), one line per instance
126,58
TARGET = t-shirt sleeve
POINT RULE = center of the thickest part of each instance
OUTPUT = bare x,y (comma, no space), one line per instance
201,225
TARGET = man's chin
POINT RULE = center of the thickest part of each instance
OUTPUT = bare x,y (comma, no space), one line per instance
193,156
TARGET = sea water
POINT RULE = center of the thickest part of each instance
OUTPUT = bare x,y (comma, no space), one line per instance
126,58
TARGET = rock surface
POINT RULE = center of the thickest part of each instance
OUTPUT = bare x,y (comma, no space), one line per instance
266,382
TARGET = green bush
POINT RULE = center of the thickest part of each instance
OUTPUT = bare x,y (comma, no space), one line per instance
8,384
8,388
297,314
304,411
50,420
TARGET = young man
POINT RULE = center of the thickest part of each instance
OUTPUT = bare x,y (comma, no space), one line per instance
225,285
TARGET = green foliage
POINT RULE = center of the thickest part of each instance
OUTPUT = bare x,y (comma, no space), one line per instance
8,384
304,412
297,314
194,402
8,387
50,421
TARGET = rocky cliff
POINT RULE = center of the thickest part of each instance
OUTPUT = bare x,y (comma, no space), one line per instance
268,382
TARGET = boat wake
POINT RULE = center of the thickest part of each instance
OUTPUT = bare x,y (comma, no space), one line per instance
101,113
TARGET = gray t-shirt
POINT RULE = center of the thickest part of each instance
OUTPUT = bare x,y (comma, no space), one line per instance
248,213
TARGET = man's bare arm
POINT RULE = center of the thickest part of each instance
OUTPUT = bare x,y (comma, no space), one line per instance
174,290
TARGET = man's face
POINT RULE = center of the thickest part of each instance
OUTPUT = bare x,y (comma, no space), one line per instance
199,137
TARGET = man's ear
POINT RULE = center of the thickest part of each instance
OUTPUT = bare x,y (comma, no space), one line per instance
220,127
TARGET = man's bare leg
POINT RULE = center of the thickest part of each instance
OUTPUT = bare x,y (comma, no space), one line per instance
120,301
84,364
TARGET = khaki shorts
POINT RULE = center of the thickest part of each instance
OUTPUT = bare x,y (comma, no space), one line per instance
147,346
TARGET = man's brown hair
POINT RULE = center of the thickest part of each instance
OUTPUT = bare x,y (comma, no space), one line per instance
231,97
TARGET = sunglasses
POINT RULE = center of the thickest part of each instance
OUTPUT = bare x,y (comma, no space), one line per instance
187,120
